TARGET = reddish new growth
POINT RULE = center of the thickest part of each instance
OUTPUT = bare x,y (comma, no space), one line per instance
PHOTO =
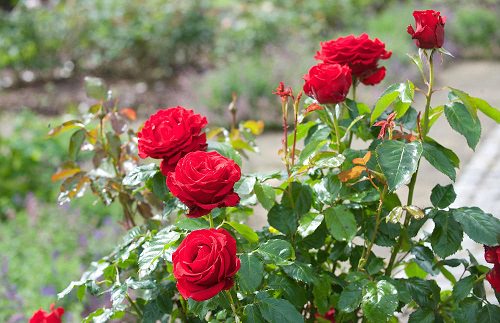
283,92
385,125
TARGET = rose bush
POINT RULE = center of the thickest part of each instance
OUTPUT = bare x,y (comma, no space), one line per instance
344,241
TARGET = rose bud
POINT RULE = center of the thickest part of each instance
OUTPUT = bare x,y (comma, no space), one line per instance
170,134
492,254
204,181
205,263
54,316
328,316
493,277
430,29
328,83
361,54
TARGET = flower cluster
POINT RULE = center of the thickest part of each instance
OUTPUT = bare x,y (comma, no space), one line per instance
492,255
205,262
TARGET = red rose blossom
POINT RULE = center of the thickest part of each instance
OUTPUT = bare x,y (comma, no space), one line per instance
492,254
329,316
361,54
204,181
170,134
205,263
54,316
328,83
429,31
493,277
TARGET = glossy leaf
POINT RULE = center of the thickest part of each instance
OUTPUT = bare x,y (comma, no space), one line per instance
140,174
443,196
479,226
283,219
439,159
422,315
398,161
251,272
155,249
380,300
350,297
447,235
225,150
341,223
309,223
462,121
278,310
276,251
463,288
265,194
245,231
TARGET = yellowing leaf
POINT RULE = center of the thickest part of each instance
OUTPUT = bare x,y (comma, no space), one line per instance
352,173
68,125
362,161
129,113
214,132
64,173
256,127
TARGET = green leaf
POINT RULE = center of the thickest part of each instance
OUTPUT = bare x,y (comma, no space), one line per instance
422,315
277,251
291,290
225,150
283,219
424,292
467,311
443,196
479,226
152,313
155,249
389,96
159,186
321,292
463,122
298,197
412,269
350,297
95,88
140,174
251,272
75,143
380,300
447,236
489,314
487,109
278,310
327,190
245,231
302,130
113,146
191,224
118,294
309,223
314,142
341,223
265,195
252,314
300,272
463,288
439,159
425,259
398,161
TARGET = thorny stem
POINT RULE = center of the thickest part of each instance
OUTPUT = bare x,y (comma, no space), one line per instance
233,307
411,186
351,135
368,250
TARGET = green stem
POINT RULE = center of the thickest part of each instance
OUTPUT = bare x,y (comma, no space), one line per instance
183,309
233,306
411,186
134,305
336,129
368,250
210,220
351,135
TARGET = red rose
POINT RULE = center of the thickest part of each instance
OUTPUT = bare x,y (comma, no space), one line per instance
328,83
361,54
205,263
493,278
329,316
430,29
492,254
54,316
204,181
170,134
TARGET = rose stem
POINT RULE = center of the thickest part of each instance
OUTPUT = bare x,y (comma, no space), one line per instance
366,253
411,187
210,220
354,85
295,122
284,110
233,307
336,128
